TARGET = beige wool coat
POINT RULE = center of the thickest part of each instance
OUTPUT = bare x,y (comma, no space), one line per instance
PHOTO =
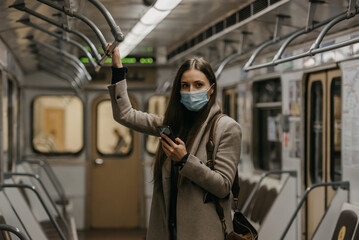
195,219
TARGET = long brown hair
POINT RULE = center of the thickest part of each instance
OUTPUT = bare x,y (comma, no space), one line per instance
185,124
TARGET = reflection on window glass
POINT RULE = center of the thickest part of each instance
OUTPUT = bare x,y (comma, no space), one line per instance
57,124
267,141
112,137
156,105
269,91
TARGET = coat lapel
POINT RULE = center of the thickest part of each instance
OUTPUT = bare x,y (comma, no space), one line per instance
166,183
201,134
166,168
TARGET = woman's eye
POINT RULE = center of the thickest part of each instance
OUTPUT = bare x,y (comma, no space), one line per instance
199,85
184,85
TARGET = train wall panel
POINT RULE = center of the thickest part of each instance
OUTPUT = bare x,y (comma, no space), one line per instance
278,217
43,79
350,126
72,178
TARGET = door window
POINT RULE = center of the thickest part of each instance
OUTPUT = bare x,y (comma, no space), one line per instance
156,105
112,137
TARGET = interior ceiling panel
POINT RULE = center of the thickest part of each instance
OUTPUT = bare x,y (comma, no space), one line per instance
188,20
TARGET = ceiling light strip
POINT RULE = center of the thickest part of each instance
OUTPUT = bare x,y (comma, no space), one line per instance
146,24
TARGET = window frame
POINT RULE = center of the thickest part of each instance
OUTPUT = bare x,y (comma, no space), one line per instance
261,106
32,122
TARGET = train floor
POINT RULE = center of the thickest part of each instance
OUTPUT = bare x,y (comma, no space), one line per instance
112,234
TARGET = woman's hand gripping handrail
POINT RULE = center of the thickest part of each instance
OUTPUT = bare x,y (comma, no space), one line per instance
115,29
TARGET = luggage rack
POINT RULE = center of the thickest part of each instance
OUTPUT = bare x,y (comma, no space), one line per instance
95,58
315,48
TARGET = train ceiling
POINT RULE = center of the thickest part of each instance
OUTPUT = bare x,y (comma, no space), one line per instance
213,28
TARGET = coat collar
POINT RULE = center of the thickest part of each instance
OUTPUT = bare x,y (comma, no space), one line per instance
201,133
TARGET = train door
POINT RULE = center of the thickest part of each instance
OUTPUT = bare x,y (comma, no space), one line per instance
114,170
323,143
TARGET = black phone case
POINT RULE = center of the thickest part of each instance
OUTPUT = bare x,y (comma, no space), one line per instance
166,130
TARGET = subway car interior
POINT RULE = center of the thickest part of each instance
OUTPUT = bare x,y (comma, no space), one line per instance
287,71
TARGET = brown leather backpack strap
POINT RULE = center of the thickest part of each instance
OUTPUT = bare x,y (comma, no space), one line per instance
235,191
210,163
210,148
211,140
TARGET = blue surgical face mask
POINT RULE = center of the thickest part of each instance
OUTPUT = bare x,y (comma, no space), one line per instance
195,101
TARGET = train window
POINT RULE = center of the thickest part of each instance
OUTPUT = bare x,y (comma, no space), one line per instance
156,105
268,91
267,131
57,124
230,102
316,132
112,138
335,129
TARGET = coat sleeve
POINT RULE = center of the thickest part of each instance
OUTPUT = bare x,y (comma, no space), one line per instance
124,113
218,181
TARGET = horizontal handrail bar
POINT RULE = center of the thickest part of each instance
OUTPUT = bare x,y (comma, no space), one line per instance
67,55
14,230
225,62
37,178
116,31
62,75
315,48
84,19
32,188
54,63
27,22
22,7
342,184
51,175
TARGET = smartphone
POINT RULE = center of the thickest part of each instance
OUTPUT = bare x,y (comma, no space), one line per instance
166,130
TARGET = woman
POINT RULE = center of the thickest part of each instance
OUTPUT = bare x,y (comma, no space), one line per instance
181,177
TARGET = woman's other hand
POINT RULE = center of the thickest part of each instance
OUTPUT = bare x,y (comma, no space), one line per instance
116,58
175,151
